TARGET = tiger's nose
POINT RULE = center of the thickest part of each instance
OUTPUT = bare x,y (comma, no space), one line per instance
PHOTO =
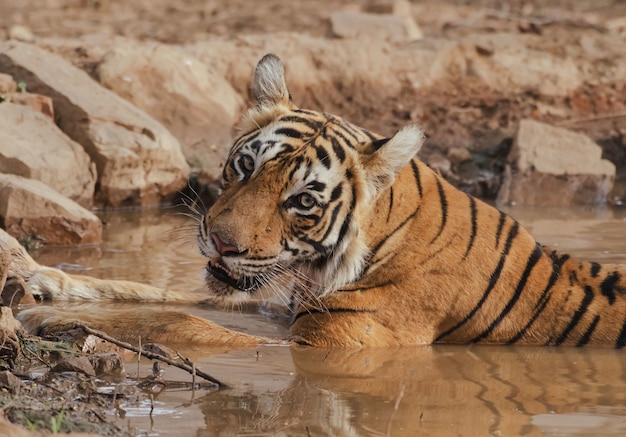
224,248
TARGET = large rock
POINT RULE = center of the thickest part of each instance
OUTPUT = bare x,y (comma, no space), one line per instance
32,146
390,27
198,106
138,160
30,208
554,166
516,63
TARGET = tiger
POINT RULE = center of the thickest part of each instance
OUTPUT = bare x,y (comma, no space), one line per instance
369,247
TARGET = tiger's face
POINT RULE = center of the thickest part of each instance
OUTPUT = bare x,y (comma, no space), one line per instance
294,185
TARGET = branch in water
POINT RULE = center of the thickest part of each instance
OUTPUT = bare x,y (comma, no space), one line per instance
187,367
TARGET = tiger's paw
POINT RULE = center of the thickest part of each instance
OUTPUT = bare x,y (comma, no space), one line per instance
43,321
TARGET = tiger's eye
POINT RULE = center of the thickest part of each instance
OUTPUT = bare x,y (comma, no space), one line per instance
306,201
246,163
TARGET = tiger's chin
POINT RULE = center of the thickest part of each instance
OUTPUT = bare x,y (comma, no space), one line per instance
230,289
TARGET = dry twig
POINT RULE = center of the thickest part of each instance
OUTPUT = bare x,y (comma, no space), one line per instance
150,355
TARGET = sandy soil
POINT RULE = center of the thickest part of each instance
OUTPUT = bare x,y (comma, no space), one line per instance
460,116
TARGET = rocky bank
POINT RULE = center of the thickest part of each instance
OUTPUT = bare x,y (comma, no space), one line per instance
112,103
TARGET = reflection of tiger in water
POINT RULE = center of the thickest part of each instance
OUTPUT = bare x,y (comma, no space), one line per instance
371,247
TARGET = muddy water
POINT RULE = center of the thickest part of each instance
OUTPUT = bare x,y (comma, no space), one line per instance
429,391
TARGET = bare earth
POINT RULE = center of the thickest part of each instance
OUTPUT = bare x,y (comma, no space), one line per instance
460,115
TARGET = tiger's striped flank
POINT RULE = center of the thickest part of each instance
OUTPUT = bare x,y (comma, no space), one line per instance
370,247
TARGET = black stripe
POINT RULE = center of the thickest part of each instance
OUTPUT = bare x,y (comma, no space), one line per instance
444,209
336,193
580,312
310,312
245,138
390,203
322,156
416,173
347,130
474,226
297,163
341,154
493,280
532,261
542,303
595,269
348,220
589,332
289,132
607,287
500,227
333,219
343,138
316,186
392,233
314,125
255,146
370,135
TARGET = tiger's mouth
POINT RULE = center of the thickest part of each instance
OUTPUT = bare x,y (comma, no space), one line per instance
247,284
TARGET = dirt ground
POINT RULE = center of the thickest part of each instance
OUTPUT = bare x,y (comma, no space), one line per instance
461,116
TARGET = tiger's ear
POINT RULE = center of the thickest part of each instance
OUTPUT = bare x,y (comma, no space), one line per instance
269,87
384,158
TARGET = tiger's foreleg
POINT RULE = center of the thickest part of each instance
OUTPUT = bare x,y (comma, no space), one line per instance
139,325
48,283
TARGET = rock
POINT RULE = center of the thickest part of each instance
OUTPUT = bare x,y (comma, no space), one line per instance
551,166
29,207
33,147
109,364
21,33
510,63
10,382
7,85
396,28
36,102
75,364
201,105
458,155
9,342
138,160
16,292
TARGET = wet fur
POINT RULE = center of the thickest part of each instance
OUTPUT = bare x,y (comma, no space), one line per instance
397,256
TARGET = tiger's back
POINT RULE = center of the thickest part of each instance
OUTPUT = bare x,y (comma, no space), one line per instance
385,251
446,267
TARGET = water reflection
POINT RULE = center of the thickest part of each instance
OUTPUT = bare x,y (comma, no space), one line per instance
429,391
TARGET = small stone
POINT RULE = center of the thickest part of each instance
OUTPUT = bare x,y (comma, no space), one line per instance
22,33
37,102
10,382
109,364
439,163
7,85
458,155
75,364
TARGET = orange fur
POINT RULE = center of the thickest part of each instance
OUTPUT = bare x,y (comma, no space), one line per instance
369,247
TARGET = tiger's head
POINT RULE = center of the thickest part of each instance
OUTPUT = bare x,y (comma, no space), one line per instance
296,186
